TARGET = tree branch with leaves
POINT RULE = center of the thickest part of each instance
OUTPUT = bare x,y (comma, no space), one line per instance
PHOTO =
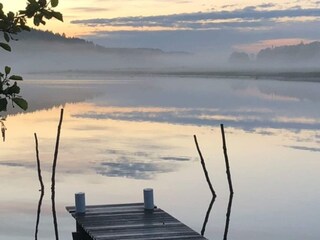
11,24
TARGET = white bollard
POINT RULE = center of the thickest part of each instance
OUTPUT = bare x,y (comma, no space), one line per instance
80,201
148,199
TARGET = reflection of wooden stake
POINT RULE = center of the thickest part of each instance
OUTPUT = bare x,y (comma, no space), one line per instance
53,178
226,159
41,189
226,229
204,167
207,216
3,131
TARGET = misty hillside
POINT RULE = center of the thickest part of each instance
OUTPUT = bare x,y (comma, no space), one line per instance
300,56
39,51
294,54
42,38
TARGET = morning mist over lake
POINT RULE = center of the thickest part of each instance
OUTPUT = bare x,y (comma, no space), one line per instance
136,81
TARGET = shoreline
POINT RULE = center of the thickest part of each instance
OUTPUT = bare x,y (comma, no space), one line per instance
299,76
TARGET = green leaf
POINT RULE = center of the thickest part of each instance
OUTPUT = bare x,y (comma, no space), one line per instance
11,16
16,78
5,46
7,70
54,3
3,25
57,15
14,89
42,3
6,36
3,104
32,9
23,104
47,14
36,20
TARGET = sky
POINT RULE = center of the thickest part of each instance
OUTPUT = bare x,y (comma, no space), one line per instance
204,26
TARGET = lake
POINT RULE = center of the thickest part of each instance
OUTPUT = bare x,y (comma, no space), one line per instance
121,134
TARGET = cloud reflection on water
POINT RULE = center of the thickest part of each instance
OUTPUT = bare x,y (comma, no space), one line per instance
137,164
248,121
18,164
312,149
262,107
129,169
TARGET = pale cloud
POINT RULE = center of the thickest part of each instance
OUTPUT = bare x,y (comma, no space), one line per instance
228,6
89,9
266,5
246,17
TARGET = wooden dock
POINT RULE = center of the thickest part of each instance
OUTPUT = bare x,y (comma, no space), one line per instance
129,221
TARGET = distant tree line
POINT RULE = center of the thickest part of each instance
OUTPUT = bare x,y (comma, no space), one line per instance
48,36
299,53
35,37
296,53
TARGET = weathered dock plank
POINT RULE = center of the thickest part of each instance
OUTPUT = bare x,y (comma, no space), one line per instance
129,221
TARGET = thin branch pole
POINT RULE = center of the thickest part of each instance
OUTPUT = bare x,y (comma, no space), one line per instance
226,159
53,178
38,163
204,167
41,189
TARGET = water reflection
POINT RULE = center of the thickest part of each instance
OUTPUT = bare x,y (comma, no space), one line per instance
138,135
131,169
143,164
228,216
312,149
205,117
206,218
41,188
245,104
3,129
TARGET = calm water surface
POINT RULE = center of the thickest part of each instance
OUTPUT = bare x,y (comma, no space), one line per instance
121,135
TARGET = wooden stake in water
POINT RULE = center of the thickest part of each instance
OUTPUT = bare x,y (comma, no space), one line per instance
41,189
226,159
53,180
204,167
